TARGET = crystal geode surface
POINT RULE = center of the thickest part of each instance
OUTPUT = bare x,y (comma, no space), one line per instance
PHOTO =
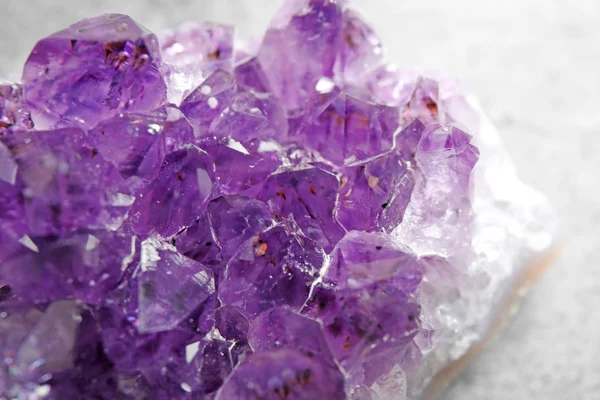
183,219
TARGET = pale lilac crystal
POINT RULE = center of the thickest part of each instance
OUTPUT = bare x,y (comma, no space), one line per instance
424,103
436,220
14,116
360,49
54,352
93,70
293,57
192,52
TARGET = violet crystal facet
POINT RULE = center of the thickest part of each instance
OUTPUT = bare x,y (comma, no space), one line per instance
182,219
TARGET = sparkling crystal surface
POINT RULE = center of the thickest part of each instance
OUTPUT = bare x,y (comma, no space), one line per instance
184,219
93,70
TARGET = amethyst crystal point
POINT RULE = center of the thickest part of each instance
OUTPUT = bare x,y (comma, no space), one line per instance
300,48
362,258
238,172
360,129
249,75
374,193
360,50
281,328
198,242
14,116
423,103
281,374
368,324
93,70
171,286
84,265
252,116
370,314
192,52
137,142
209,99
134,143
437,219
66,183
40,354
177,196
235,219
231,323
277,267
309,195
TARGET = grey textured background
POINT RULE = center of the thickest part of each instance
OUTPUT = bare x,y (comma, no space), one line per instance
535,65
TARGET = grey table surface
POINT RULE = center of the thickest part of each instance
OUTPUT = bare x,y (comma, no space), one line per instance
535,66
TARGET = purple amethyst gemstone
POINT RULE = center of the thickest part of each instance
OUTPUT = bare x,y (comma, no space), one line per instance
251,117
238,172
360,49
285,373
231,323
177,196
368,309
250,75
361,129
170,286
274,268
362,322
279,328
66,184
206,102
362,258
293,57
424,102
235,219
83,265
198,242
375,193
93,70
309,195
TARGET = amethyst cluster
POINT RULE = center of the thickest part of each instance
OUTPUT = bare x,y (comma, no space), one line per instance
180,219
